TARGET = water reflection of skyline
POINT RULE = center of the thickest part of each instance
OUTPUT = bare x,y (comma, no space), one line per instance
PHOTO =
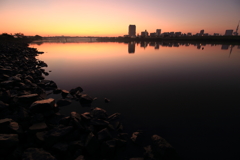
156,45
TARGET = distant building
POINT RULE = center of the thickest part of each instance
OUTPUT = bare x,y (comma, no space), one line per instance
132,31
216,34
144,33
153,34
201,32
158,32
189,34
178,33
229,32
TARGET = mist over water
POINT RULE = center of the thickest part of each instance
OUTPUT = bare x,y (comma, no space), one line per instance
186,93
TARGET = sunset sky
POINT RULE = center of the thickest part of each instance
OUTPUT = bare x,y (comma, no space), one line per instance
112,17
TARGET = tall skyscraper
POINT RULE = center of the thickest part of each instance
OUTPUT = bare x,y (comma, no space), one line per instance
201,32
229,32
158,32
132,30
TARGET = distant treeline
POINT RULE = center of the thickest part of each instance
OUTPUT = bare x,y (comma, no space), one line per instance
18,37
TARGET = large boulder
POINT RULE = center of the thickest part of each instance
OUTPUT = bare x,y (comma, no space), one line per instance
56,134
63,102
37,154
7,143
99,113
161,149
30,98
42,105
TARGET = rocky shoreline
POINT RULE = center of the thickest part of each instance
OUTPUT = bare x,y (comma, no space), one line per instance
32,128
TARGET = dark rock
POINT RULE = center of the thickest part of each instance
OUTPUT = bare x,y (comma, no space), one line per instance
99,113
3,106
81,157
92,144
108,149
63,102
42,105
138,137
60,147
99,122
161,149
104,135
56,134
76,120
85,100
40,137
75,91
55,119
114,117
28,98
57,91
37,118
37,154
120,142
86,116
38,127
64,93
106,100
8,142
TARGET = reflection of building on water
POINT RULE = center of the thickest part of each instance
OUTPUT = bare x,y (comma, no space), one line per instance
131,47
157,46
238,47
198,46
225,46
143,44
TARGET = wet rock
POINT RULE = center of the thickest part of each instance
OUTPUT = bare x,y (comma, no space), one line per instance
56,134
37,118
64,93
92,144
3,106
108,149
99,113
63,102
60,147
76,120
42,105
104,135
55,119
86,116
37,154
106,100
30,98
40,137
161,149
8,142
86,100
81,157
138,137
57,91
38,127
114,117
99,123
75,91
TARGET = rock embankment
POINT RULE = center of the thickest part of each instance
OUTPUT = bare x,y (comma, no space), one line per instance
31,127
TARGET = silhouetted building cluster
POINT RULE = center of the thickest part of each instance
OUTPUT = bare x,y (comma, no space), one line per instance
144,34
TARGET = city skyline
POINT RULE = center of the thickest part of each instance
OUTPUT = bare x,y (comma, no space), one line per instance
110,17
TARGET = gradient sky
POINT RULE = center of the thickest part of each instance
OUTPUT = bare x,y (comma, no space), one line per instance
112,17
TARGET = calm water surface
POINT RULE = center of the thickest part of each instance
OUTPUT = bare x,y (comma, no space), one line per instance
186,94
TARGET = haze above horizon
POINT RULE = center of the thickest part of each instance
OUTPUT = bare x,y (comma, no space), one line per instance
112,17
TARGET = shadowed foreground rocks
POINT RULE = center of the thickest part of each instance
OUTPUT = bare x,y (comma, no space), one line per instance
31,127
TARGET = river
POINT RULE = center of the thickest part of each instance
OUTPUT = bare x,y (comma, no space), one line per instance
188,93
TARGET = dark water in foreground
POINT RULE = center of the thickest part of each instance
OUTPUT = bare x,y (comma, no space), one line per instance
186,94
